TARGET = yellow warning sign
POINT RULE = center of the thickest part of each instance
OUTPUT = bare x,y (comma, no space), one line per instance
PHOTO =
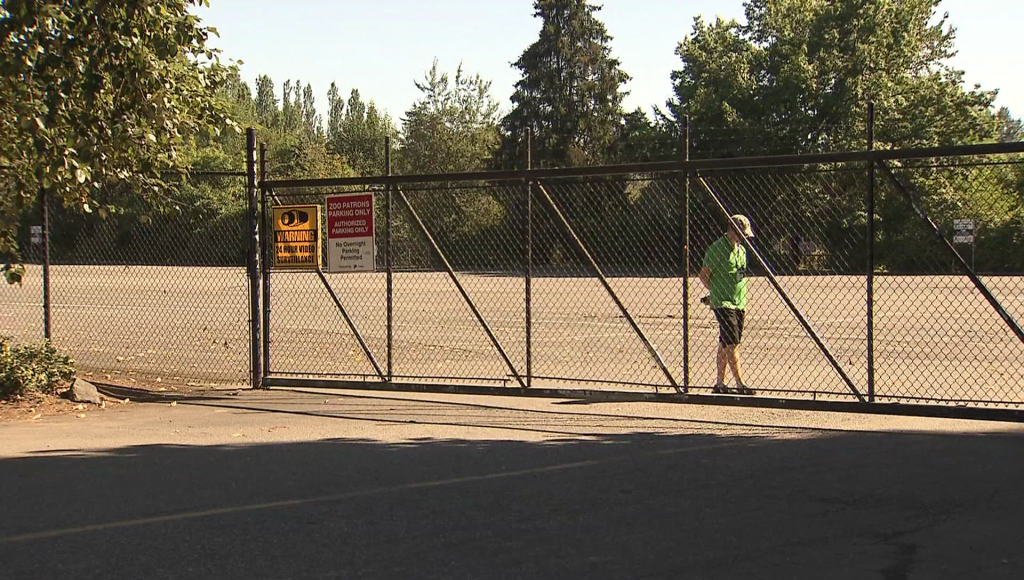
297,237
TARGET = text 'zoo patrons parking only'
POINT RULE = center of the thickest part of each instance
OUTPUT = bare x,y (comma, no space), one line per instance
350,246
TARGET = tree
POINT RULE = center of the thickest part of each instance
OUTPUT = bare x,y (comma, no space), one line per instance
1010,128
267,112
335,117
639,139
311,120
453,126
95,91
570,92
798,75
361,139
291,111
716,87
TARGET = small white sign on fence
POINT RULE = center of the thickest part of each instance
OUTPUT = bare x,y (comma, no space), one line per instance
963,231
963,225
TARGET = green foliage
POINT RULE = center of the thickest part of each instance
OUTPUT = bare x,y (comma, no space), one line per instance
797,77
32,368
570,92
1010,128
96,98
12,271
265,103
94,92
358,135
453,126
801,73
991,195
640,139
307,158
298,109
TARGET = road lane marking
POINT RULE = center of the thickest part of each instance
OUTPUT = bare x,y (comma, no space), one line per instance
352,494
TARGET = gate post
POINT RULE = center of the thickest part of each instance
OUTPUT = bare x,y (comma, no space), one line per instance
871,255
266,260
528,257
253,266
686,255
45,202
389,260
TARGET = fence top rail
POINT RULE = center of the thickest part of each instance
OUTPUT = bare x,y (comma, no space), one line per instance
204,173
172,172
660,166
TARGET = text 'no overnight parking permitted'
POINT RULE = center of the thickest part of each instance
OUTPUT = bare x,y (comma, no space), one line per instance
350,245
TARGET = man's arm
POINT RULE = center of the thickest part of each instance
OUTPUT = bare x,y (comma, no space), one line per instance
705,277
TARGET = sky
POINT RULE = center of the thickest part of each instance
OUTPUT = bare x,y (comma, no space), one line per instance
382,46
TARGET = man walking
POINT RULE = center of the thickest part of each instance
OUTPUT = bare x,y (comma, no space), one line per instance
724,273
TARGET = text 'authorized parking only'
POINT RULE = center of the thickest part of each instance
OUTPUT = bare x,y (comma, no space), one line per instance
350,233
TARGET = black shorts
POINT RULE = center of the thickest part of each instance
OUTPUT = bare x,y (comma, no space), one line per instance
730,325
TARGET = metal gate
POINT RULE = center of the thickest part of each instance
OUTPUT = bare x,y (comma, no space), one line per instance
582,282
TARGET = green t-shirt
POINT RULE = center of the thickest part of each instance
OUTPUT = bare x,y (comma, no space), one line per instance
728,267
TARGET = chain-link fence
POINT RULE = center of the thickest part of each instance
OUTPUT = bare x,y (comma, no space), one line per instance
148,287
555,279
904,283
938,337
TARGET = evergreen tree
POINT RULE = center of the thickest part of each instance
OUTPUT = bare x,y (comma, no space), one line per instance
361,139
335,116
453,126
570,92
266,102
311,120
1010,128
291,106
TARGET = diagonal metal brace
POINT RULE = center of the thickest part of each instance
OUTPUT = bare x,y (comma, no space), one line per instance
604,282
351,326
928,223
458,285
785,297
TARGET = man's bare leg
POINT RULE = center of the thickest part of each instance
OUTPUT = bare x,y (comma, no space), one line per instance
732,357
722,363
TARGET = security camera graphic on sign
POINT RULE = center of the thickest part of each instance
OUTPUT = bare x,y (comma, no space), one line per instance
294,218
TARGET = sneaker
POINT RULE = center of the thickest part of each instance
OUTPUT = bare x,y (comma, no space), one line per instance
720,389
745,390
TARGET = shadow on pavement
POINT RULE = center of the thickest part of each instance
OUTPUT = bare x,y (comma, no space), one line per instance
638,505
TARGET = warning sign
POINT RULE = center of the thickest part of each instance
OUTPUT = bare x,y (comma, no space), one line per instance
297,237
350,246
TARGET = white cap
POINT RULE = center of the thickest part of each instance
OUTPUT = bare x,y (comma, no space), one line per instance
742,223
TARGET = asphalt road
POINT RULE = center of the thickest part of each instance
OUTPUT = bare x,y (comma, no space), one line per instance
279,484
